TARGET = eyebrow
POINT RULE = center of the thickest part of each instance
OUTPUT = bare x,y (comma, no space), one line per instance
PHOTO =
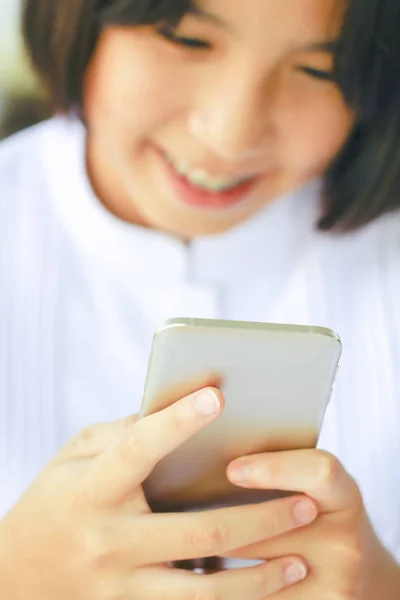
330,46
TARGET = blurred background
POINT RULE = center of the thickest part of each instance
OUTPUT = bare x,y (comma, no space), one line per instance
22,102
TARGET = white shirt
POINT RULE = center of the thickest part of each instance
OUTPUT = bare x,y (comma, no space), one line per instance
81,294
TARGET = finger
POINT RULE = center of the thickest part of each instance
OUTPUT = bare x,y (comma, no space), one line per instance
333,561
93,440
302,591
128,462
305,543
212,533
251,583
312,472
308,589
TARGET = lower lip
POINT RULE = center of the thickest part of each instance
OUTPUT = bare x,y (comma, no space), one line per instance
194,196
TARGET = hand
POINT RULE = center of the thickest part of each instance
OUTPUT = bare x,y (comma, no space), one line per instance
340,547
84,531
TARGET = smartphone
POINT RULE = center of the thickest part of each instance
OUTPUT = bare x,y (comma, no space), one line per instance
277,382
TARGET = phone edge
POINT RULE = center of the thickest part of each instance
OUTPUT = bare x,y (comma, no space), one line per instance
230,324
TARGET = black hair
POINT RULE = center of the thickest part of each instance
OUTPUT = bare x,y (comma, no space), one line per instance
363,181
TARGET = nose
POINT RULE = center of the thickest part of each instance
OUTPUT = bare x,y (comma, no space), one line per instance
233,118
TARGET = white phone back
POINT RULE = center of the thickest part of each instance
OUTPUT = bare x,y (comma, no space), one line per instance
276,380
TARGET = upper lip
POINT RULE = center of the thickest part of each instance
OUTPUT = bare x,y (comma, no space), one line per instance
212,170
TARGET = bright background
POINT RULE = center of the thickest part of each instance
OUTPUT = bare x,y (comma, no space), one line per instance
19,105
14,74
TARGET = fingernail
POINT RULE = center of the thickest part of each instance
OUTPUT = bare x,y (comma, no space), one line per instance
239,473
207,403
295,572
305,512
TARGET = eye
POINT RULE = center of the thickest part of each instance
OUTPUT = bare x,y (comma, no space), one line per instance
183,41
317,74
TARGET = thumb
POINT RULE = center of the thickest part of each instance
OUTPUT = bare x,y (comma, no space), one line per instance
125,464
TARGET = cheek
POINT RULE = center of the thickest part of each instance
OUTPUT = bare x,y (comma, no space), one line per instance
314,131
124,84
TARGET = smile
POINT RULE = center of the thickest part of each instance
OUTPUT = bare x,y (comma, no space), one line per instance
204,180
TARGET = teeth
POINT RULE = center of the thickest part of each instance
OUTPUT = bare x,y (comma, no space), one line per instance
202,179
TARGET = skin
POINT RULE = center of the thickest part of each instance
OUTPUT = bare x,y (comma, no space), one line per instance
344,557
242,106
84,531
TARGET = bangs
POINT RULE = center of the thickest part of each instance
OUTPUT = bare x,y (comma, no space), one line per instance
142,12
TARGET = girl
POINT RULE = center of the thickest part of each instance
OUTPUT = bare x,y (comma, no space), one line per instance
222,159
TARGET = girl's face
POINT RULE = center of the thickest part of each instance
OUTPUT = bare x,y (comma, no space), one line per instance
194,130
